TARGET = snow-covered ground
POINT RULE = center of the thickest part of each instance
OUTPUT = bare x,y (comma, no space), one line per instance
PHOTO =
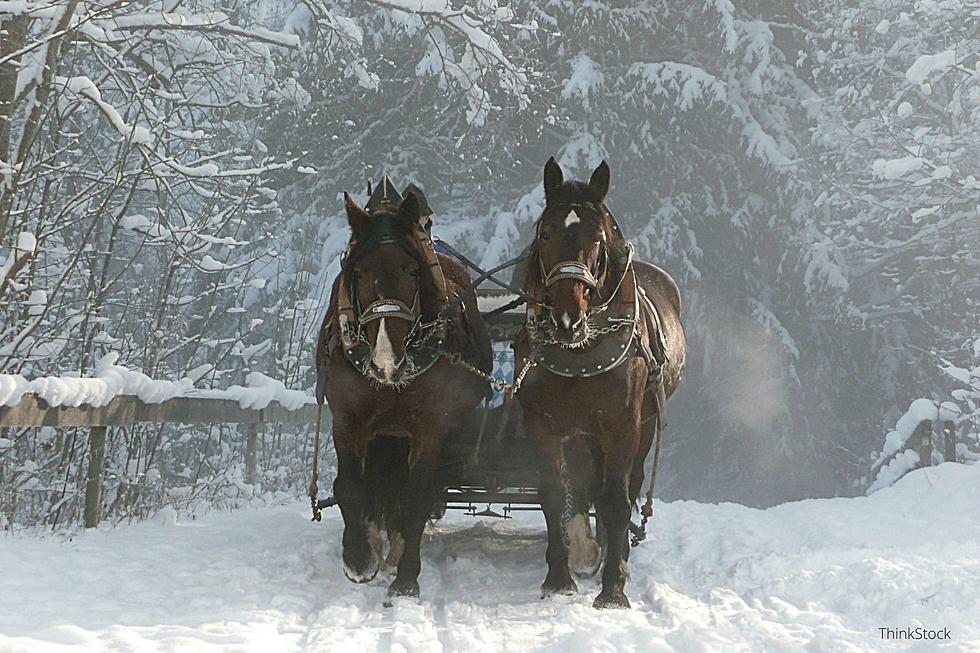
816,576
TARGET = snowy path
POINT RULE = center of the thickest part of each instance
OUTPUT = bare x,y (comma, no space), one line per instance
814,576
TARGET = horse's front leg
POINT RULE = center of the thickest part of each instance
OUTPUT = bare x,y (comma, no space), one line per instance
417,500
361,562
553,495
619,445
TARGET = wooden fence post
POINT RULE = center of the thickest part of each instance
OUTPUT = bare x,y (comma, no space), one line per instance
93,487
922,442
251,443
949,441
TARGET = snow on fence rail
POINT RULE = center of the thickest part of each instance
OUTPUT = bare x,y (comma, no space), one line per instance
249,406
924,435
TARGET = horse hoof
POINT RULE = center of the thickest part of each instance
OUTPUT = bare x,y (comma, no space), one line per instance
611,600
564,587
403,588
365,575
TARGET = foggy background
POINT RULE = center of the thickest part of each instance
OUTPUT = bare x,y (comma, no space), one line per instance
804,170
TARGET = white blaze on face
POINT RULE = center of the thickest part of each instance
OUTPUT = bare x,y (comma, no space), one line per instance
566,319
571,218
384,354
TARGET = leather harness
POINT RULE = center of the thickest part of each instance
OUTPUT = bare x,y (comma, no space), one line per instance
350,319
616,344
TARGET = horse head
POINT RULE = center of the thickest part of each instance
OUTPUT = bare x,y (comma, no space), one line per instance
576,253
389,281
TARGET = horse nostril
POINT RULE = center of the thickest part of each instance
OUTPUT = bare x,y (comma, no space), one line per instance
566,323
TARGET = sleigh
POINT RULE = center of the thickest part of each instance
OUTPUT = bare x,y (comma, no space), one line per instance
488,467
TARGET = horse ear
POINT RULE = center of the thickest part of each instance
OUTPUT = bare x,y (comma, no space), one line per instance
357,218
599,182
408,209
553,178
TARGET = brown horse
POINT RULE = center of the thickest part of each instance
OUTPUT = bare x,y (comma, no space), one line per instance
383,366
606,338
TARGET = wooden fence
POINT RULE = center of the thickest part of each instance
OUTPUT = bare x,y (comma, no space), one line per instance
32,411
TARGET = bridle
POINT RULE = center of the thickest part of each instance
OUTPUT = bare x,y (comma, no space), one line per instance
352,319
578,271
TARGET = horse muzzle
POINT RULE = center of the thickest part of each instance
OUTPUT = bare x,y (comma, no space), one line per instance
570,329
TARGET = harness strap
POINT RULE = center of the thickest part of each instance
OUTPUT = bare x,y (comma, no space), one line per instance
463,296
315,478
383,308
574,270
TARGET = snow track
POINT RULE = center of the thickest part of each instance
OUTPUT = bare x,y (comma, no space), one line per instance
819,575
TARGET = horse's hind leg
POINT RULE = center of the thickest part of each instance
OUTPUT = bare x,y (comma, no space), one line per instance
416,506
361,563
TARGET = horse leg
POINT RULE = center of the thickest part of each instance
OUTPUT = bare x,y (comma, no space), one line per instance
618,455
416,506
397,478
552,495
375,475
361,563
579,480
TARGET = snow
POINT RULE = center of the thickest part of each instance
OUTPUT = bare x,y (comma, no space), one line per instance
112,380
84,87
896,468
209,264
919,410
262,390
25,246
26,242
817,575
134,222
896,168
926,64
585,80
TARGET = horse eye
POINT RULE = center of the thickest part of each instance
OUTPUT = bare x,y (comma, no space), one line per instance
543,235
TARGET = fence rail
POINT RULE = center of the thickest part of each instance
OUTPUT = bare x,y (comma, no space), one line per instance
33,411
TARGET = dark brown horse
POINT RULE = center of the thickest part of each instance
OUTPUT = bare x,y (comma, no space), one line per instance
383,367
605,363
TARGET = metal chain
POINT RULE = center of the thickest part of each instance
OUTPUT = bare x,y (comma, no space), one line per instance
455,358
536,336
